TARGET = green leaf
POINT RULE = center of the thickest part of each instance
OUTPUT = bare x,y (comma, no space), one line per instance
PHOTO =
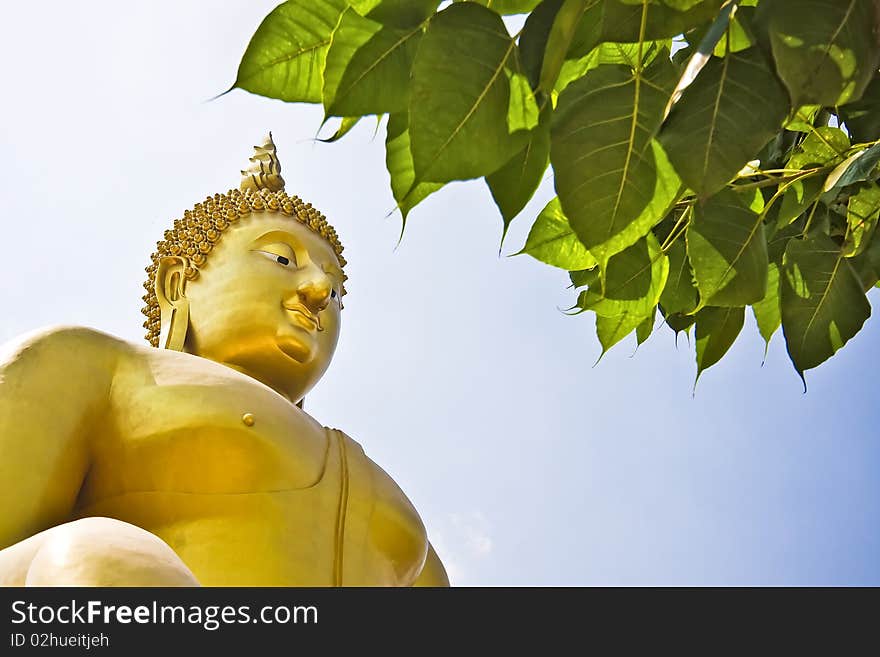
565,24
514,184
867,265
863,116
728,249
460,96
522,110
767,311
717,329
856,168
613,179
533,40
285,58
713,130
611,330
681,5
803,119
823,304
646,328
609,20
396,13
679,295
862,213
633,283
398,161
634,279
507,7
826,51
368,67
552,241
611,53
818,219
777,244
583,277
824,146
739,36
797,197
697,59
345,126
679,322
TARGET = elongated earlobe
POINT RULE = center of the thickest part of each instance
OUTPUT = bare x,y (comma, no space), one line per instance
170,286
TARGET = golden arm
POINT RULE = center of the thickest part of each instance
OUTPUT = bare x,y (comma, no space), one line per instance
433,573
55,388
54,391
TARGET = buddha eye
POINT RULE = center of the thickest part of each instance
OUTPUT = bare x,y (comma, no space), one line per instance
332,294
284,260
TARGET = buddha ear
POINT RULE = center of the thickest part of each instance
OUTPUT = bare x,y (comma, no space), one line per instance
170,287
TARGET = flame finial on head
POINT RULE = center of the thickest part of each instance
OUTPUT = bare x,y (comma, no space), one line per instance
265,169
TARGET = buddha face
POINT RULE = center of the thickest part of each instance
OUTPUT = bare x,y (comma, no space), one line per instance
267,303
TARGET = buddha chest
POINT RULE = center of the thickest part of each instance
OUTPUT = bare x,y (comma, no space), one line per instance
245,487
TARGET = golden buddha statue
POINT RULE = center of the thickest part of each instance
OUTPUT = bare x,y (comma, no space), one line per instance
191,463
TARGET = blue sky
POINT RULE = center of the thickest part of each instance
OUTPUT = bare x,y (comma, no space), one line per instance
456,370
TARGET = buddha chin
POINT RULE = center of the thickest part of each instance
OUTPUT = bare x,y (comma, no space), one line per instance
298,344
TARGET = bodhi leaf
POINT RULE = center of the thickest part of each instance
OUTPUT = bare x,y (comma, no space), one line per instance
803,118
611,53
826,51
646,328
285,58
823,304
716,329
368,67
856,168
739,36
681,5
583,277
766,311
797,197
728,249
460,95
613,179
514,184
396,13
610,20
679,294
507,7
562,31
522,109
552,241
611,330
867,265
345,126
777,244
533,40
824,146
398,161
862,212
633,281
863,116
678,322
714,130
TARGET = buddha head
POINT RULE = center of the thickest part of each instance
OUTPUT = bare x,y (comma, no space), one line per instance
251,279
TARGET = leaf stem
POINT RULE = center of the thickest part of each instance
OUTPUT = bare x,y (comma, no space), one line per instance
673,236
810,218
769,182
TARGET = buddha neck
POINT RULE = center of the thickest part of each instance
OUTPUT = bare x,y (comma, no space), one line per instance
293,396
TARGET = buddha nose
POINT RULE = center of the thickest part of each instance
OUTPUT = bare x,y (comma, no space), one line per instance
314,290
